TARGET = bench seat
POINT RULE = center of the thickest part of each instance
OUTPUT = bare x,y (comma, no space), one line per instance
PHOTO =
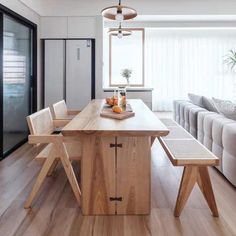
184,152
177,132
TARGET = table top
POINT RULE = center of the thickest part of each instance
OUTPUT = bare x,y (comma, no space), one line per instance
89,121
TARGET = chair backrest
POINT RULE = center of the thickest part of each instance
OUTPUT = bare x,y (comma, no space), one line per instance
40,122
60,109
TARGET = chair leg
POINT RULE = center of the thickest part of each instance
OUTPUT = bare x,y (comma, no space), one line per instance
42,175
189,178
204,183
69,170
152,140
53,167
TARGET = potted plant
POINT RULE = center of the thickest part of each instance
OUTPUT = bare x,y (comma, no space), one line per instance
126,73
230,59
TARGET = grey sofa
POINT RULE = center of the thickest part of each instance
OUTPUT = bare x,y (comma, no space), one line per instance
215,131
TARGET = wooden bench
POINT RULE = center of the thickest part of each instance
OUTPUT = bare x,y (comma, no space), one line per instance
184,150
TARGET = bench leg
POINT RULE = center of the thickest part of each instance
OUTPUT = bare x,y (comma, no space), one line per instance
189,178
204,183
191,175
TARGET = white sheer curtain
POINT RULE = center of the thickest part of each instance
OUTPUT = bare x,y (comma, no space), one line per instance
179,61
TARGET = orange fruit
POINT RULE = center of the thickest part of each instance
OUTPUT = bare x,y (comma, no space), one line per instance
112,101
107,100
116,109
115,101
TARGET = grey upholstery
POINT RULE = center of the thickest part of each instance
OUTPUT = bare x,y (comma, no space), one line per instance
200,125
193,118
187,110
181,112
229,152
207,127
215,131
217,141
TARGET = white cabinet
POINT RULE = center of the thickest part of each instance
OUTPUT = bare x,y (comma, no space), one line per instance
68,27
81,27
146,96
53,27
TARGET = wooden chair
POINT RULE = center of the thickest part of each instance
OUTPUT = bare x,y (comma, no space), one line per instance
62,113
58,149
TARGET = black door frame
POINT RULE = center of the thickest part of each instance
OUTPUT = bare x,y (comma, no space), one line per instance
93,62
33,89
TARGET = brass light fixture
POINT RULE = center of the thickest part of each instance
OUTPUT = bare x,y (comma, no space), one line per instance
119,32
119,12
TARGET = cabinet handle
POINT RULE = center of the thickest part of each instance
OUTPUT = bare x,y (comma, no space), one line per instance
115,145
116,199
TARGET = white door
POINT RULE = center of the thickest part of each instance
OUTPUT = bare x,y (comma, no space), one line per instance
54,71
78,73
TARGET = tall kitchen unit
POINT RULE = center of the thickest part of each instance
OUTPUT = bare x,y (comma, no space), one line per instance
69,71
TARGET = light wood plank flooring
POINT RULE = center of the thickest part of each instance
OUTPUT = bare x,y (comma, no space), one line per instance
55,211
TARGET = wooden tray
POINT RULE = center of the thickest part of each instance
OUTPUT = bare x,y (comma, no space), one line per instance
108,113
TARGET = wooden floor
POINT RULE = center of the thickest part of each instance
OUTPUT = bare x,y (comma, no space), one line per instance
55,211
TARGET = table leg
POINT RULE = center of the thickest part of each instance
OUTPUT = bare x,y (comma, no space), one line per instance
134,175
98,175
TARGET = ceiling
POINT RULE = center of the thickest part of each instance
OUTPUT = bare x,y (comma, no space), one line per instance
144,7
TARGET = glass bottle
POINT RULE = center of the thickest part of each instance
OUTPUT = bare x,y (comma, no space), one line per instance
122,98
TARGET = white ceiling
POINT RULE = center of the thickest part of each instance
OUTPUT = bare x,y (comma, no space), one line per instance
144,7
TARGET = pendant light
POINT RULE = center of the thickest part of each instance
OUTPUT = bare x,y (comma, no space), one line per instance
119,12
119,32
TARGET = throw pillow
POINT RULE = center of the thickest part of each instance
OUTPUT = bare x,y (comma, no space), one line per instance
208,104
226,108
195,99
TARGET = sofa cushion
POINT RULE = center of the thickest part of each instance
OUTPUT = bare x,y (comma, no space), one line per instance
195,99
193,116
217,132
187,110
181,112
207,129
176,106
229,153
200,124
226,108
208,104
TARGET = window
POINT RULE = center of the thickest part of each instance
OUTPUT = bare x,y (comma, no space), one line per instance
127,53
189,60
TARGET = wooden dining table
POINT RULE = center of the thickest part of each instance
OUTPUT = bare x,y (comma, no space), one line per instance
116,158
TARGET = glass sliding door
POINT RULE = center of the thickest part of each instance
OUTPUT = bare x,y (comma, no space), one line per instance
17,73
17,81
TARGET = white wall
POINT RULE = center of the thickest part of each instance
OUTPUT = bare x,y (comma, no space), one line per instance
31,15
